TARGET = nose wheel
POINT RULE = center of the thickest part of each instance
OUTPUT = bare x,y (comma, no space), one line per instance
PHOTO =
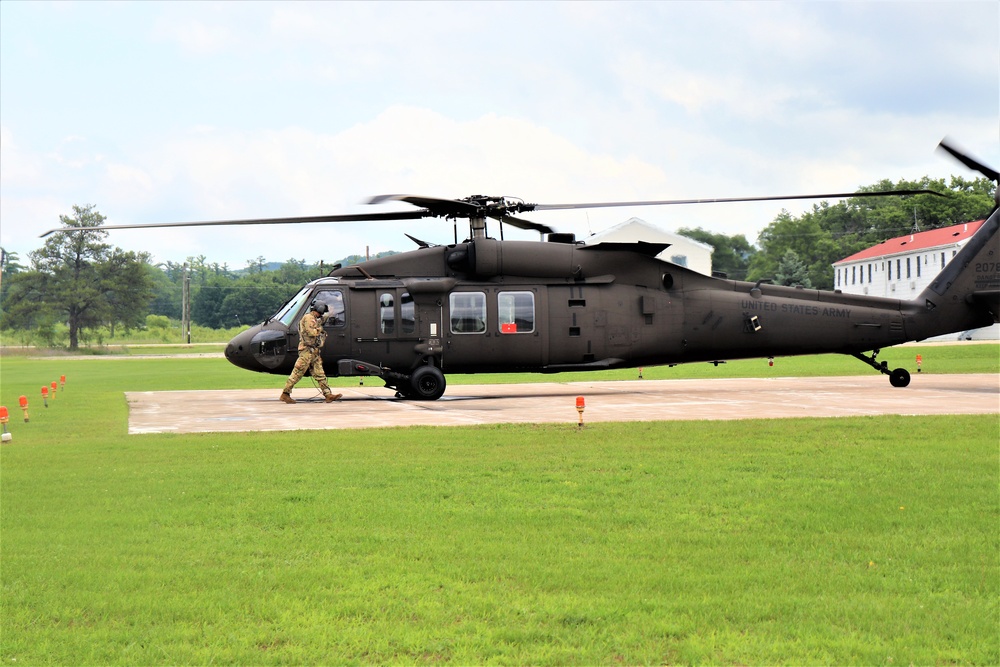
898,377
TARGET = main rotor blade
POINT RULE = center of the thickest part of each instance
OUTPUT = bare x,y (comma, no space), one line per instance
969,161
725,200
521,223
359,217
435,205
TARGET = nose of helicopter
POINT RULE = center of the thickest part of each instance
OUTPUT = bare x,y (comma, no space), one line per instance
239,353
262,348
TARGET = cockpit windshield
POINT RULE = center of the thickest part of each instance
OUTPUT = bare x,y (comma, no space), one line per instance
286,315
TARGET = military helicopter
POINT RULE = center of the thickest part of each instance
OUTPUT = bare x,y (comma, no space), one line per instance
488,305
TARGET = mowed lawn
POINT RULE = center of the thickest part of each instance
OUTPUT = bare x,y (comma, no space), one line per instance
824,541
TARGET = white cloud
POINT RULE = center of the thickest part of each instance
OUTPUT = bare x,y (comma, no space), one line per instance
195,37
17,168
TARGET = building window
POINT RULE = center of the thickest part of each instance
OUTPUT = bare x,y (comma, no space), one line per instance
869,273
908,276
918,267
468,312
899,269
854,274
679,260
516,312
942,260
890,269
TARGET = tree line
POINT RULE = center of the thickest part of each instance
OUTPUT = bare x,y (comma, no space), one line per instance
78,281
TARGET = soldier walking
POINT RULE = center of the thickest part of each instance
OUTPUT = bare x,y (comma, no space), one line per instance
311,339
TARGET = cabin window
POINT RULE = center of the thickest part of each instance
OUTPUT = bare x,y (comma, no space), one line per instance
335,314
387,313
468,312
407,316
516,312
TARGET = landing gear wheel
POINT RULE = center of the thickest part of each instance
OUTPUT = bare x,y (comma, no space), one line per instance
900,377
427,383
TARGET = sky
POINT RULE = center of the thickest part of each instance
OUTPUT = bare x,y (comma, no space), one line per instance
190,111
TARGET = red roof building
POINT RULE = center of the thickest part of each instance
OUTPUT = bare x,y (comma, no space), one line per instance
902,267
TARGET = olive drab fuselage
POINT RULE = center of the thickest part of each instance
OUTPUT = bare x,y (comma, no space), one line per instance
521,306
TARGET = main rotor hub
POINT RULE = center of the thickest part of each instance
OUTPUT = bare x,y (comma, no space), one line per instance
489,206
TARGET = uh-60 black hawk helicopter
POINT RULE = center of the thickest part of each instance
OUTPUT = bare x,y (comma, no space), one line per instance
488,305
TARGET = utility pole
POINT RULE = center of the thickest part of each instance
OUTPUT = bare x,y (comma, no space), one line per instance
3,264
186,305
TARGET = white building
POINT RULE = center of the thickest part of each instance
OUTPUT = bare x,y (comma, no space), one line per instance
683,251
901,268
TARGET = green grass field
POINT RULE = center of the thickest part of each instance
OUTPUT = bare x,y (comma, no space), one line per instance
824,541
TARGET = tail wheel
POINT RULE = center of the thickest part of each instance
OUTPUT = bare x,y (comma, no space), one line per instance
899,377
427,383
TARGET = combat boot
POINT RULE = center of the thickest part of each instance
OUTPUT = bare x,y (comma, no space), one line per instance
330,398
287,398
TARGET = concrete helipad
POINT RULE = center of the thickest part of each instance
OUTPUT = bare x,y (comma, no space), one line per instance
637,400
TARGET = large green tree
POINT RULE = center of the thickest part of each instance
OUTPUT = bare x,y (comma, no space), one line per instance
79,279
9,266
127,287
206,303
792,271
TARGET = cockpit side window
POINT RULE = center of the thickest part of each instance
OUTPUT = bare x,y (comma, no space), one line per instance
336,316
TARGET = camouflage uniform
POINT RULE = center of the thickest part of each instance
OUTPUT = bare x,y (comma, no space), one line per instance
311,339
